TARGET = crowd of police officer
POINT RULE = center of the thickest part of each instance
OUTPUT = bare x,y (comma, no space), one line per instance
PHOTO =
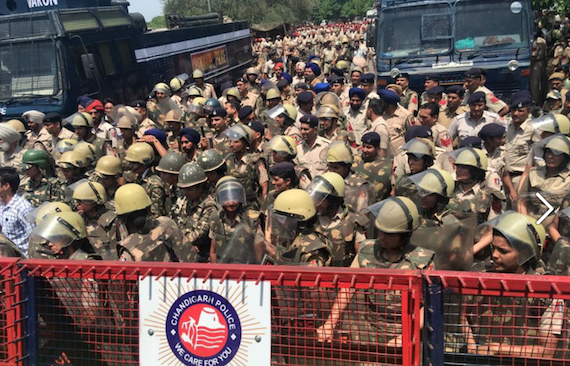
301,160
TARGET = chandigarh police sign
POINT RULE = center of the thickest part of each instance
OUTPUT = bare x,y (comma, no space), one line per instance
204,322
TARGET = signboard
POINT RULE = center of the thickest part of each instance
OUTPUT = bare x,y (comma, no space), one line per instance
210,60
204,323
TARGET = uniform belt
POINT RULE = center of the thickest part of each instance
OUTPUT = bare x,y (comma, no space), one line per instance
515,174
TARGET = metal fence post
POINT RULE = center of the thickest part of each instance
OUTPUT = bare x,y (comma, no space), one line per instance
31,344
434,322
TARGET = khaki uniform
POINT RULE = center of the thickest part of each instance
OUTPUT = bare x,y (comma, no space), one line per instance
441,137
496,166
164,243
344,231
42,140
446,115
310,156
337,135
249,100
107,132
147,124
517,145
14,160
357,123
442,102
221,143
556,185
464,126
494,104
293,132
410,100
208,91
194,220
397,124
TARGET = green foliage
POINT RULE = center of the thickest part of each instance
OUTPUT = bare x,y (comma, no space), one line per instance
560,6
157,22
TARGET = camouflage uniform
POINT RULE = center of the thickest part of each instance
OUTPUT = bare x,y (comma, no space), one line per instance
100,229
221,231
163,243
47,190
485,201
343,231
310,248
194,220
251,172
359,193
156,190
377,172
102,147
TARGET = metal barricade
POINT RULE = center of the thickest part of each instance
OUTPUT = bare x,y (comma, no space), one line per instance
87,313
11,313
496,319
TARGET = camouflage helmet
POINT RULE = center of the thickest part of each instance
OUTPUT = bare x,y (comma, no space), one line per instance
558,144
283,145
471,156
191,174
194,91
553,123
90,191
240,131
339,152
45,209
108,165
140,152
522,233
273,93
420,147
130,198
82,120
37,157
234,92
65,145
18,125
197,74
290,112
434,181
396,215
72,159
210,160
171,163
328,111
295,203
62,228
88,150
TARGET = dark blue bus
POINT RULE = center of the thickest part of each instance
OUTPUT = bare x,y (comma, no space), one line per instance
423,37
52,51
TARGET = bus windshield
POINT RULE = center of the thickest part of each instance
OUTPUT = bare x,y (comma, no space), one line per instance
28,69
490,24
415,31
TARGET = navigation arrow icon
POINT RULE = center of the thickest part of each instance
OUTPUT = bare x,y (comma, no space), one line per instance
548,212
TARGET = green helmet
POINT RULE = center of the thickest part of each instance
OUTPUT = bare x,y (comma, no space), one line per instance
130,198
140,152
210,160
171,163
396,215
339,152
471,156
522,233
191,174
295,203
283,145
434,181
62,228
37,157
90,191
238,132
558,144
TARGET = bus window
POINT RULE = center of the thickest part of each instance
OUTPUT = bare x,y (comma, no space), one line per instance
107,58
125,53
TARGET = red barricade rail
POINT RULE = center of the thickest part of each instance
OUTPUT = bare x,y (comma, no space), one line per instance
504,319
87,312
10,313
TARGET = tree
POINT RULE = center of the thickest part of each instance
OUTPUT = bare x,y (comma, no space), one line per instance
157,22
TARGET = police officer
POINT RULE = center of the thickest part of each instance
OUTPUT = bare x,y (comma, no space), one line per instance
208,90
435,188
337,222
37,136
65,235
309,152
409,99
396,119
149,238
219,140
193,210
214,166
293,234
11,151
53,125
356,114
108,171
73,165
248,167
431,81
493,136
470,123
189,142
145,122
367,83
168,169
140,157
454,107
83,125
41,186
372,167
286,123
328,115
428,116
475,83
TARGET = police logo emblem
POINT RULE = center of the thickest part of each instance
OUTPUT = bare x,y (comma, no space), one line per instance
203,328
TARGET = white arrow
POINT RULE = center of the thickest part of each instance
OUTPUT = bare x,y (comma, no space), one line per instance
550,209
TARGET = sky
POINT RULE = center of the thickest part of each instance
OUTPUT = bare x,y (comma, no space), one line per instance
148,8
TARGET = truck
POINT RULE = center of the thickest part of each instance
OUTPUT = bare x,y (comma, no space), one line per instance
448,37
52,51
